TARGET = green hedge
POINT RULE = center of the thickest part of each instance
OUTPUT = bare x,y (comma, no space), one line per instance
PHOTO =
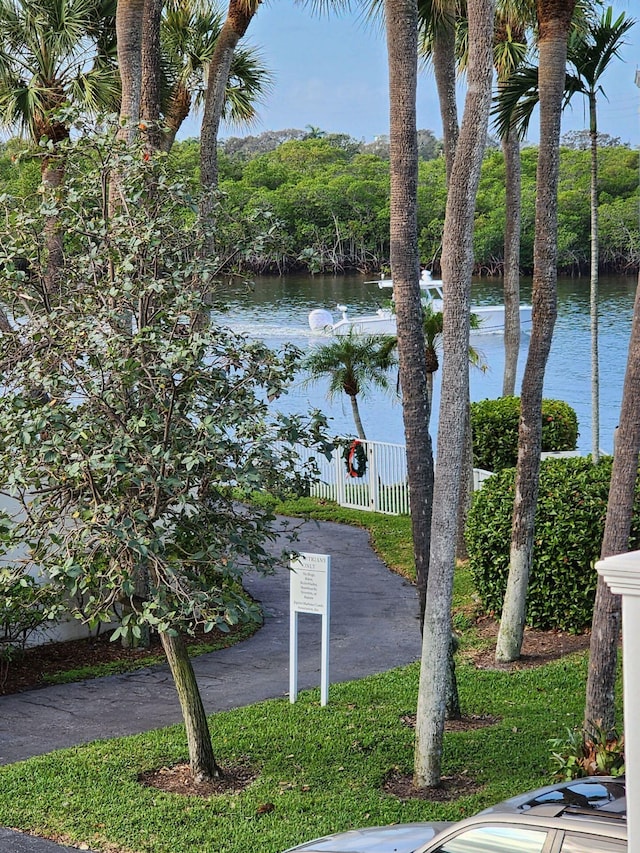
494,426
569,527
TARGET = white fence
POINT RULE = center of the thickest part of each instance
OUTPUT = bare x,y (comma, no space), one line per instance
383,487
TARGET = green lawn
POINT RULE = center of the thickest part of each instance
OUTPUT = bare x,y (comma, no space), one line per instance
321,769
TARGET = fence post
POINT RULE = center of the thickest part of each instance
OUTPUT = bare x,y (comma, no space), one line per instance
374,485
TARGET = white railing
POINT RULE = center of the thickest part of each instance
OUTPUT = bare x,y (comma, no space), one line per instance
383,488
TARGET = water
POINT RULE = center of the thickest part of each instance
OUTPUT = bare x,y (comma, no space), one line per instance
275,310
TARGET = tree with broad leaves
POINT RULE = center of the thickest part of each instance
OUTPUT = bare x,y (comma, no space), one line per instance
131,459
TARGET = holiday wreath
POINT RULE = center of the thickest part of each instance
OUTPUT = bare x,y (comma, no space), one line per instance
355,457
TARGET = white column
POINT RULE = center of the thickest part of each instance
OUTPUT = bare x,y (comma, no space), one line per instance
622,574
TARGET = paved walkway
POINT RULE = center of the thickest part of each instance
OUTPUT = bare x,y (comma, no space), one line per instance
373,628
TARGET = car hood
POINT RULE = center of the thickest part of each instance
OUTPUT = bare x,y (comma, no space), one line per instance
399,838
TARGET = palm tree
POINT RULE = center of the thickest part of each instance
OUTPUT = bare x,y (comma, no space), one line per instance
354,364
438,22
509,51
189,33
55,56
457,257
590,52
605,629
554,22
401,18
432,328
239,15
591,47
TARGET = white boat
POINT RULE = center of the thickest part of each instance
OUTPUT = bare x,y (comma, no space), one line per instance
383,322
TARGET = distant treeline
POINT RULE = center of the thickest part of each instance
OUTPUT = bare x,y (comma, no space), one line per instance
294,200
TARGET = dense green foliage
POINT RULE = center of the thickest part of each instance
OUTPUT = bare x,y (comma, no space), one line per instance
126,421
326,203
494,427
569,527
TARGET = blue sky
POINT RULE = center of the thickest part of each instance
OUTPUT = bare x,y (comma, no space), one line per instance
331,73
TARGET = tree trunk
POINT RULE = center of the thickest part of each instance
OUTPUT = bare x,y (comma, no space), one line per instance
150,73
554,27
466,486
239,15
511,153
356,417
402,47
201,759
129,18
593,285
605,630
53,172
457,257
444,70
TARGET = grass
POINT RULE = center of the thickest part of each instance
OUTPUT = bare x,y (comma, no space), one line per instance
320,769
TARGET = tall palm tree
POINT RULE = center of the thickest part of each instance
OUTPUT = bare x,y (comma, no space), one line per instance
401,20
590,52
354,364
513,18
554,22
457,257
509,52
605,629
438,21
592,45
57,55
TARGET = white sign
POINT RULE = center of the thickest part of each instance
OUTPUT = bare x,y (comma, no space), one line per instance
309,593
310,583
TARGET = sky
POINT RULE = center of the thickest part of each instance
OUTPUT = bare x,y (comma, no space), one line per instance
331,73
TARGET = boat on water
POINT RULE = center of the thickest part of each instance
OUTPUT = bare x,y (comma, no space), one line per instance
383,322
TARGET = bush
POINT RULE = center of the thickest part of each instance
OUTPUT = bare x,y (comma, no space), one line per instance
569,527
589,751
494,426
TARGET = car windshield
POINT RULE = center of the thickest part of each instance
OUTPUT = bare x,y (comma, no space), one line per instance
608,796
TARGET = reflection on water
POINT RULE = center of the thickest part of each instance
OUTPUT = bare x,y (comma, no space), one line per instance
275,310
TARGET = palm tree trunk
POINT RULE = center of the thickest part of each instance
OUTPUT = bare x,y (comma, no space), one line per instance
605,630
129,18
150,73
239,15
355,410
53,172
201,757
444,69
593,285
554,19
511,153
457,257
402,48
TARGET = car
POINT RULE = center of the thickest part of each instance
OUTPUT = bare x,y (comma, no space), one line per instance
579,816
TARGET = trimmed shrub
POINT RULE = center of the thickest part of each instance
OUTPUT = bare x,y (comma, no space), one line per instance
569,527
494,427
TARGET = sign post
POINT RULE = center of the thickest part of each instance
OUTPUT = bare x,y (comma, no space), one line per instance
309,593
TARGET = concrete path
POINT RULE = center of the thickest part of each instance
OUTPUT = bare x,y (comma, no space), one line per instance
374,628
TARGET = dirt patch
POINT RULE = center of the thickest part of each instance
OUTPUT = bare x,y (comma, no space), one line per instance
178,780
464,724
450,788
35,667
538,648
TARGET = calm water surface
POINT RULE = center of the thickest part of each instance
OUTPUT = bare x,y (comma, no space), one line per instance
275,310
